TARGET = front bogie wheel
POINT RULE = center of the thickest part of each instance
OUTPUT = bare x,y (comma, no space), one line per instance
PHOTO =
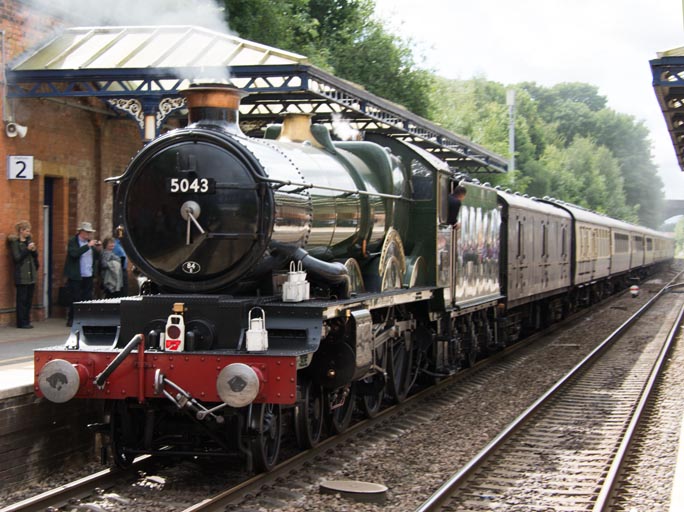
266,427
123,431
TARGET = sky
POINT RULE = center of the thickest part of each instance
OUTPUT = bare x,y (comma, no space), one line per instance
607,43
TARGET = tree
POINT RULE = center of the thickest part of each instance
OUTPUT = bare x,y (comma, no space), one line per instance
629,142
340,36
679,237
569,107
283,24
587,175
477,110
568,143
383,64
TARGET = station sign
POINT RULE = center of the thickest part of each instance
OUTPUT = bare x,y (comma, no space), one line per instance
19,167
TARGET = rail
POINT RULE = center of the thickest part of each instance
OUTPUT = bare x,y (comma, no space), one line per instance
442,495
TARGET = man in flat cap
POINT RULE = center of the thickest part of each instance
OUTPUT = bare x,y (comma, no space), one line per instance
83,254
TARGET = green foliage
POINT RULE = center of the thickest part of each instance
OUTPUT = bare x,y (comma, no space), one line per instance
629,142
386,69
568,144
284,24
679,238
340,36
587,175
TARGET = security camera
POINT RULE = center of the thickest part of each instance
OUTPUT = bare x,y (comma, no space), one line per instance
15,129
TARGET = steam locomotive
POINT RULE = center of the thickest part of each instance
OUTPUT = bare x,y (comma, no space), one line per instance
297,278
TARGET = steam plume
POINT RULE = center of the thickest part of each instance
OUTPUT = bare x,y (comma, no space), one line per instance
203,13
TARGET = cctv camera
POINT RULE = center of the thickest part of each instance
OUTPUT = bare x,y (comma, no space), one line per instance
15,129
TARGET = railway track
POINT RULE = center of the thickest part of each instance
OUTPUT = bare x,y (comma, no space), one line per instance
277,487
81,488
566,451
291,480
389,422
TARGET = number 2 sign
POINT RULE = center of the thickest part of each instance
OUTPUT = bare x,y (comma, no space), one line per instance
19,167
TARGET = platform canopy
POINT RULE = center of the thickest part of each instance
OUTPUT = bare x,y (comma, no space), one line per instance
668,82
139,71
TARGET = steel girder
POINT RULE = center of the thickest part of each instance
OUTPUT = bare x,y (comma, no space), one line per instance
668,82
274,90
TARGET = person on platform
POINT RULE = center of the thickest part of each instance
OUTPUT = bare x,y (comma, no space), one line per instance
25,256
111,270
82,260
118,250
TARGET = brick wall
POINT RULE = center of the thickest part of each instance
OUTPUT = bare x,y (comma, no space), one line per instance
38,437
77,144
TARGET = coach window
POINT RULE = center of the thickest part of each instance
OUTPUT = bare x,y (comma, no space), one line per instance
586,241
638,243
621,243
545,240
521,239
564,252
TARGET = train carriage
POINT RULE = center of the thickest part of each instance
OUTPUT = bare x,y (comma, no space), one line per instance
538,249
657,247
664,247
620,247
591,258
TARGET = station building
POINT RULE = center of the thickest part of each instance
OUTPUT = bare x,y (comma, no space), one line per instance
73,146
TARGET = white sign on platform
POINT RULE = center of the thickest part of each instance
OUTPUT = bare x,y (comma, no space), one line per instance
19,167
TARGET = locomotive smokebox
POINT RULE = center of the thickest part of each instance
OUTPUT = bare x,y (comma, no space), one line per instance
195,209
214,103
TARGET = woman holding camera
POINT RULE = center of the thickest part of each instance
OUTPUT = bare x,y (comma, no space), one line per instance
25,258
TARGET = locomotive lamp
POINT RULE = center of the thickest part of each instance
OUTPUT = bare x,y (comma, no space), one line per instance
634,290
257,335
296,288
174,339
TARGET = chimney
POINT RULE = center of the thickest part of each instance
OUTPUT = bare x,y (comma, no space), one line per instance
214,104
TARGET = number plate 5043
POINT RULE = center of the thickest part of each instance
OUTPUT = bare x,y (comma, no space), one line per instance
190,185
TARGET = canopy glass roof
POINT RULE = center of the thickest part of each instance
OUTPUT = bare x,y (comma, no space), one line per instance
151,47
141,69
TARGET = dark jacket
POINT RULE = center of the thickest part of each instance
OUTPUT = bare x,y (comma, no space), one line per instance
25,261
454,208
72,264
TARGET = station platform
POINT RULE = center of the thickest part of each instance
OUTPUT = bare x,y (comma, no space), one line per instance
16,353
